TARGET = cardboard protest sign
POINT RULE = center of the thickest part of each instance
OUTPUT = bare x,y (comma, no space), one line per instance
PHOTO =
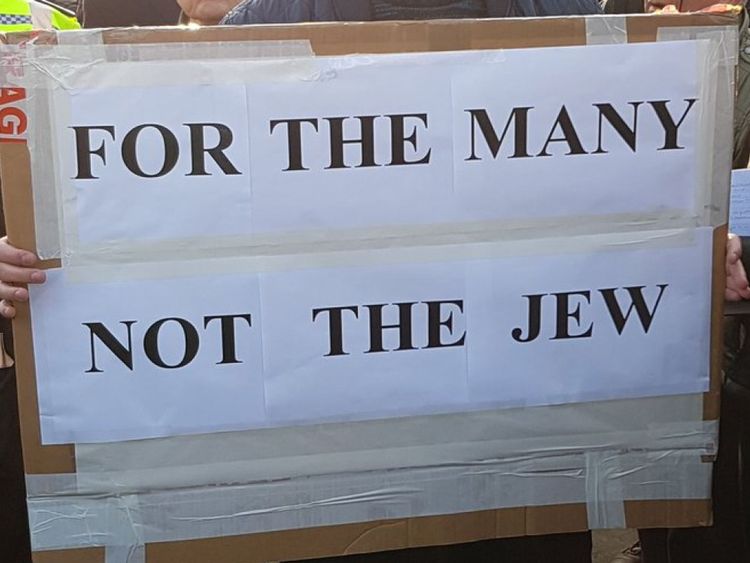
322,277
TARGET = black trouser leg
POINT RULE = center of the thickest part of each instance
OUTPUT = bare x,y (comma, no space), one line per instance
654,545
14,530
727,540
559,548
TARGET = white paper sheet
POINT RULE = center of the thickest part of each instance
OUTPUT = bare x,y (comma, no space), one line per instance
739,206
433,92
612,176
288,377
147,401
119,205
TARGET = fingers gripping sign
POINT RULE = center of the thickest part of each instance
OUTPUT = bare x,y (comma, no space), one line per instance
16,267
737,287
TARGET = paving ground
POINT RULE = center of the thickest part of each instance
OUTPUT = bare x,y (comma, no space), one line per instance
609,544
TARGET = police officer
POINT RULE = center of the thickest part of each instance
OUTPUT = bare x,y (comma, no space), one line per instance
27,15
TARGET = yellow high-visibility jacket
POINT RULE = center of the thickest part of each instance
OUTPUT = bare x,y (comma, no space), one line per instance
26,15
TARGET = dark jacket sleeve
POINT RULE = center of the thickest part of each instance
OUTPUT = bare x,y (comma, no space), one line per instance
295,11
541,8
270,11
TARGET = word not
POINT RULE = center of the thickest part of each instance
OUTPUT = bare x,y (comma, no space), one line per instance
98,332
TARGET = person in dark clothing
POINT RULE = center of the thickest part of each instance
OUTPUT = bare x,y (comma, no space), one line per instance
15,546
295,11
559,548
14,526
624,7
120,13
388,10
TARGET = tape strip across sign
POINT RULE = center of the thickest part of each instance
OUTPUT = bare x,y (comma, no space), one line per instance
717,158
606,31
83,520
274,454
605,497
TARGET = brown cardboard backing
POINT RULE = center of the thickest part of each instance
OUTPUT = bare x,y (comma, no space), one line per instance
92,555
336,39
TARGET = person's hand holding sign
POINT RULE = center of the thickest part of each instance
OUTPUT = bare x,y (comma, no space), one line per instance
737,287
16,266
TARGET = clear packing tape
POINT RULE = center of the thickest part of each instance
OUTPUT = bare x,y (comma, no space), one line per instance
601,479
606,31
600,454
127,495
716,173
128,521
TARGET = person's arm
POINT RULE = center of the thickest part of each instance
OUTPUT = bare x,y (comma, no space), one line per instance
272,11
205,12
247,12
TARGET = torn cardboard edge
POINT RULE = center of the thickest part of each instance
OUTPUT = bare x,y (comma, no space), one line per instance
347,38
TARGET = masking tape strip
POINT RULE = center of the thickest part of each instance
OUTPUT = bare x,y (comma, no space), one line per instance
548,230
606,31
43,173
36,108
719,142
269,454
83,37
725,36
80,66
193,261
604,491
242,50
62,522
